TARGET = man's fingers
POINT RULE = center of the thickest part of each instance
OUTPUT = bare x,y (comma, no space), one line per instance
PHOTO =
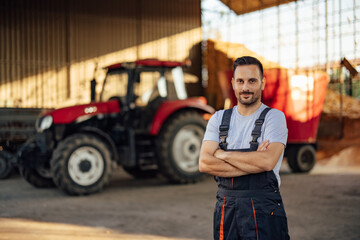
263,146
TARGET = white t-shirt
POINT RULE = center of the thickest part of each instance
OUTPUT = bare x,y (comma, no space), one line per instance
239,135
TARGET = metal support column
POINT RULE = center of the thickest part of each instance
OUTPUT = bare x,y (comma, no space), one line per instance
327,37
354,24
296,36
279,34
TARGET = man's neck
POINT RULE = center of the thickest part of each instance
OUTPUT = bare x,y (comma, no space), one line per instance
247,110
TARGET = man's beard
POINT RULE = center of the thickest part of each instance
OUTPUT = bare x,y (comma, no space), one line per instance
252,101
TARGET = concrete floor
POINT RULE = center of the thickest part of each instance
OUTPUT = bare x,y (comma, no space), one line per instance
320,205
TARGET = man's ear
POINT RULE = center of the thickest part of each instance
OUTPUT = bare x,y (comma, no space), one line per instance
232,82
263,83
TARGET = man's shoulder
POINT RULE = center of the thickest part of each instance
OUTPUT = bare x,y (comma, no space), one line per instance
274,113
219,113
275,117
217,117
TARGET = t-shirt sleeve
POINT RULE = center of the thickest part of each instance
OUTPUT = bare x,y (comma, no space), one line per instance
212,129
275,129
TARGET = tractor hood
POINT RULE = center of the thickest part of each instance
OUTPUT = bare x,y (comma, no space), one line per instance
70,114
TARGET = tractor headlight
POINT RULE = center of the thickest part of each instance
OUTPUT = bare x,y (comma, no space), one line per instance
44,123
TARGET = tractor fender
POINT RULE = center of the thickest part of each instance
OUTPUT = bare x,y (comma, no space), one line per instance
168,108
105,137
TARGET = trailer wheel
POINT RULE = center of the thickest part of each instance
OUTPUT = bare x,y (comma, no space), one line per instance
179,145
138,173
301,158
6,167
81,164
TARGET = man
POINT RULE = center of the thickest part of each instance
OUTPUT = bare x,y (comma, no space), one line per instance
249,204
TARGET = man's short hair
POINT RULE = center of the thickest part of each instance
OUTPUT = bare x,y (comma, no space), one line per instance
247,60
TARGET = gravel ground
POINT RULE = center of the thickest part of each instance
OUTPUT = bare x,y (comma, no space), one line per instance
318,205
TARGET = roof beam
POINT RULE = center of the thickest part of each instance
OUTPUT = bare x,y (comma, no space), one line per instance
247,6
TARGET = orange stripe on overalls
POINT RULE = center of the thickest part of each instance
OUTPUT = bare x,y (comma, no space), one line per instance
257,236
221,237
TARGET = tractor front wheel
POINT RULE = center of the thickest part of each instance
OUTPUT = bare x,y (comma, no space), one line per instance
81,164
6,167
38,177
179,144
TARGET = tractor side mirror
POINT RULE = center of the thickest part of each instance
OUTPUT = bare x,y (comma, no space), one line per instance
93,90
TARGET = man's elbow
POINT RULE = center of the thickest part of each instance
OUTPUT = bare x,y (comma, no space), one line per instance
202,167
269,165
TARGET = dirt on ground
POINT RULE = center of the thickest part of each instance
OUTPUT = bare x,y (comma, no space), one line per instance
334,156
319,205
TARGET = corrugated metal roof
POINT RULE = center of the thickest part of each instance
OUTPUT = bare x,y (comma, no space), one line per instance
246,6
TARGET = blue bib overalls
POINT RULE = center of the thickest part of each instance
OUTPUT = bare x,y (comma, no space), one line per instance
250,206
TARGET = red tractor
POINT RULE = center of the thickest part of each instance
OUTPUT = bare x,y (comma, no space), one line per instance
143,122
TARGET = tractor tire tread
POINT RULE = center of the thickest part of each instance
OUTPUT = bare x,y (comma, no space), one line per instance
62,152
165,165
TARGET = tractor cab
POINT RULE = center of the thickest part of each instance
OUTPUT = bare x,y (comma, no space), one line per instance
142,86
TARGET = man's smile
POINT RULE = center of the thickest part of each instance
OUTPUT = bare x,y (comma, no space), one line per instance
246,94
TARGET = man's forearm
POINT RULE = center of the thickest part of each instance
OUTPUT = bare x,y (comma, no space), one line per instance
251,162
217,167
244,166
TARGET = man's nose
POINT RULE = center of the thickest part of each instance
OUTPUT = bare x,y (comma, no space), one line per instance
245,87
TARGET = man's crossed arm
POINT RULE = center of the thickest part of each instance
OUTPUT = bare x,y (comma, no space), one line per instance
221,163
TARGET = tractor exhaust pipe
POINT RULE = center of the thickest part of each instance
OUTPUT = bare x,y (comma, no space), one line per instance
93,90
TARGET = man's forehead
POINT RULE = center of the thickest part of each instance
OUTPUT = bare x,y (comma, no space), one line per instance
247,70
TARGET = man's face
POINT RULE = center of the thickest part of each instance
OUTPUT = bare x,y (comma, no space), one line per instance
248,84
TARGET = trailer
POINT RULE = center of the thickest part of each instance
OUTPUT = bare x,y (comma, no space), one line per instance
17,125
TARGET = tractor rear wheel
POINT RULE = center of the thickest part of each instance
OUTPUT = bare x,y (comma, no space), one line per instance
6,167
179,145
81,164
301,158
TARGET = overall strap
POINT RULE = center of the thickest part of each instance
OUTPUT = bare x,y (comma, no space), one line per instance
255,134
224,128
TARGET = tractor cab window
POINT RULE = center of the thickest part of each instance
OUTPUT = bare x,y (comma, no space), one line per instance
176,85
115,85
151,86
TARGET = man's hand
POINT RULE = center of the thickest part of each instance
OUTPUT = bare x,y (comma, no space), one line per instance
220,154
263,146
